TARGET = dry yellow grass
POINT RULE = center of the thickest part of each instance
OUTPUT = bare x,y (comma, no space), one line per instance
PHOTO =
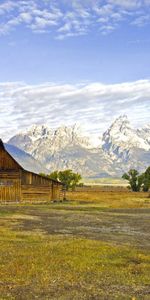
111,199
95,247
36,265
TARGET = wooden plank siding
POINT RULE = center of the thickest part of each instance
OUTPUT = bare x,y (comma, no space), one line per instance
10,181
19,185
56,191
10,187
34,179
31,193
46,191
7,162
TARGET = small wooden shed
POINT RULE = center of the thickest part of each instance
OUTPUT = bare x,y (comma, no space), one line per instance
19,185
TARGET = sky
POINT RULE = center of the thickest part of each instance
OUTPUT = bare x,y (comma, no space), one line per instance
70,61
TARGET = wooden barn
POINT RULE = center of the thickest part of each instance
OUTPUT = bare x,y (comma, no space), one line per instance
19,185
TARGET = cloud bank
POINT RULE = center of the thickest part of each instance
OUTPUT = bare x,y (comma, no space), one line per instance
94,105
66,18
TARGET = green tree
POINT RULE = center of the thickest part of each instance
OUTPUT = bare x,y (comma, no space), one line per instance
54,175
69,179
75,180
135,180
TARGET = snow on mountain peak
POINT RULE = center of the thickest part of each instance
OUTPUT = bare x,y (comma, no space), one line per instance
122,147
121,125
145,133
68,135
40,140
121,134
38,131
122,118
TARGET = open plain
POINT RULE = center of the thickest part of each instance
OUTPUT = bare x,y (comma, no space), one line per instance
92,246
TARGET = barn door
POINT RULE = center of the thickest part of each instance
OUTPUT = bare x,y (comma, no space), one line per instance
10,190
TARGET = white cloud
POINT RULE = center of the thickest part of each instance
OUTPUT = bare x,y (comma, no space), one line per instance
7,6
74,17
129,4
141,20
93,105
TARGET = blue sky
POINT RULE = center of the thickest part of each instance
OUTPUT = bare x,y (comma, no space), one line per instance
73,44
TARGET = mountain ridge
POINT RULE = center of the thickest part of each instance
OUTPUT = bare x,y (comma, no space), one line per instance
120,148
24,159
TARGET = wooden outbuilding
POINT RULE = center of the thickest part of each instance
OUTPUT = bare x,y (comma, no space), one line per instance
19,185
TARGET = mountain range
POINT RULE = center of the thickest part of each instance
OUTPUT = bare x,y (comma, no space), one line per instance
120,148
25,160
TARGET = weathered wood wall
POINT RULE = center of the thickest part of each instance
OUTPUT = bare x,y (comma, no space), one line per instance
34,179
32,193
6,162
10,186
12,189
10,183
56,191
38,188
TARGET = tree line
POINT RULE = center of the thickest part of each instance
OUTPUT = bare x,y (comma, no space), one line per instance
138,182
67,177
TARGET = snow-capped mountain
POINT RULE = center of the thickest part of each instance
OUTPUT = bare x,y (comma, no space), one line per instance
42,136
121,137
65,147
126,146
122,147
145,133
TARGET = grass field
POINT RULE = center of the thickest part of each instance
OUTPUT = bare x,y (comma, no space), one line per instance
101,199
94,246
105,181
